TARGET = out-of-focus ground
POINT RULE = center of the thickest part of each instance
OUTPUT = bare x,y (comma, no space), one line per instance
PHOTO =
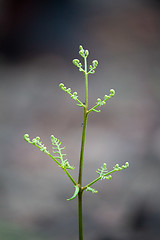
38,41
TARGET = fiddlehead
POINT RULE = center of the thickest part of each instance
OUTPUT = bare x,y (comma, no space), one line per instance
36,142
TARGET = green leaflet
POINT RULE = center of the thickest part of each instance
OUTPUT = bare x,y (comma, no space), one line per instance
75,193
118,168
91,190
102,171
57,149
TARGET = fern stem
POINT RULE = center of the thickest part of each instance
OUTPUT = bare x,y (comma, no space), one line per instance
65,170
86,83
82,152
84,124
82,148
80,217
69,175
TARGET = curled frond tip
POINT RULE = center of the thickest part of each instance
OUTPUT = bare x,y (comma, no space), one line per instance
26,137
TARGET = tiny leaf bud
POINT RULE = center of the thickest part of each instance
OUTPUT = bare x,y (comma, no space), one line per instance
95,63
86,53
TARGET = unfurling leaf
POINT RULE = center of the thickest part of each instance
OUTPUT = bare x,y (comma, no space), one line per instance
36,142
102,171
91,190
57,149
75,193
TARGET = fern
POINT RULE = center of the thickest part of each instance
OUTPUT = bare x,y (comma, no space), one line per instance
60,158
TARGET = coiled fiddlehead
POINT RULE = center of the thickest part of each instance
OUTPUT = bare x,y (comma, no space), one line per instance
36,142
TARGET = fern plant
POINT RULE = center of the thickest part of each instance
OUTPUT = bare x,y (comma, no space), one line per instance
60,158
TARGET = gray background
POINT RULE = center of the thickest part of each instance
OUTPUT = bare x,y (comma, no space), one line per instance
38,41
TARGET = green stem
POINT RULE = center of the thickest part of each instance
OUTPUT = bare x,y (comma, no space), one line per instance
82,148
65,170
69,175
80,217
82,152
84,124
86,82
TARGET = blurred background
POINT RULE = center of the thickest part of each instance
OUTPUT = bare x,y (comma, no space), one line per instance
38,41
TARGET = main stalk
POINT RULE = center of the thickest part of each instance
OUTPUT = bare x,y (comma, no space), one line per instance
80,219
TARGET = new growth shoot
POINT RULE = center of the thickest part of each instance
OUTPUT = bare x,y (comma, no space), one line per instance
57,150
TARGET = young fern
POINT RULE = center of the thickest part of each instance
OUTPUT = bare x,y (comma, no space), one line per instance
58,155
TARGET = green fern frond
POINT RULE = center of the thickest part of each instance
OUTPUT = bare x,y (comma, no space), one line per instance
93,67
78,64
100,102
84,53
118,168
102,171
57,149
72,95
91,190
36,142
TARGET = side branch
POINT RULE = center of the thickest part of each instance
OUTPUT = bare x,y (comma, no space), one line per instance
100,102
72,95
36,142
106,175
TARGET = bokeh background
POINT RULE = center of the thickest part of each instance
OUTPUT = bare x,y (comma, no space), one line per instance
38,41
